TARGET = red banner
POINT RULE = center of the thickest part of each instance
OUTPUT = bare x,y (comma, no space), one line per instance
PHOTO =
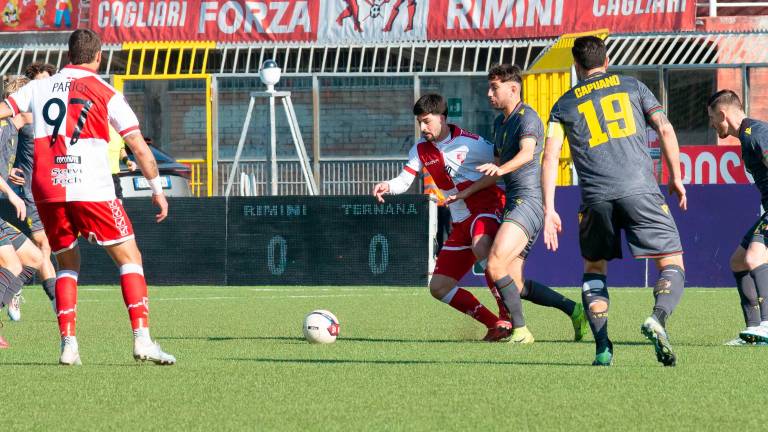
39,15
508,19
709,164
347,21
218,20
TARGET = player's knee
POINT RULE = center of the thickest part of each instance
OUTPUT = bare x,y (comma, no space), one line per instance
495,266
32,256
439,288
754,259
598,306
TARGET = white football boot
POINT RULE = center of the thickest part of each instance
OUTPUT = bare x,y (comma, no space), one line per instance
755,334
14,308
70,354
145,349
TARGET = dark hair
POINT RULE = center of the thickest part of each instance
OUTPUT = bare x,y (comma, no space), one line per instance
724,97
589,52
431,103
84,44
506,72
34,69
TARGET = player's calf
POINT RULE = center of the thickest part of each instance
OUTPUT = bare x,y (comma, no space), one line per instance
594,296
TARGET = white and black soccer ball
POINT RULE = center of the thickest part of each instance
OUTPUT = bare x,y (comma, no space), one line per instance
321,327
375,11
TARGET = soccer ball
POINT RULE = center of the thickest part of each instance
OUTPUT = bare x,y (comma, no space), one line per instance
321,327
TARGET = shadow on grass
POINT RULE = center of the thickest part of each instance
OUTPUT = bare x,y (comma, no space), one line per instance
301,339
403,362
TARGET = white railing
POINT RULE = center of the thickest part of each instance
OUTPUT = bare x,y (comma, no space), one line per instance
714,5
342,176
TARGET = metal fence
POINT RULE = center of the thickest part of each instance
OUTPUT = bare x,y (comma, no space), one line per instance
347,176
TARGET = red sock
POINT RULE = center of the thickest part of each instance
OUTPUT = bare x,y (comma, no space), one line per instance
465,302
66,301
503,313
135,295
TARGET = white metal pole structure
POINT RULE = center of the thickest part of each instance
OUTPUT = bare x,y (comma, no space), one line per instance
270,75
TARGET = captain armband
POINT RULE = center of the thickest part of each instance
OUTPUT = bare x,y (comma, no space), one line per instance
555,130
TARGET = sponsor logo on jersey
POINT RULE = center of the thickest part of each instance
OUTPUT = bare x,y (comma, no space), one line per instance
748,131
66,176
68,159
432,162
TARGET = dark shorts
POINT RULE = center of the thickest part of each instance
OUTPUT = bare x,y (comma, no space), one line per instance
528,214
32,222
10,235
650,229
758,233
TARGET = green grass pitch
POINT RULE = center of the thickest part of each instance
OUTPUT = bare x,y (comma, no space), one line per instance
403,362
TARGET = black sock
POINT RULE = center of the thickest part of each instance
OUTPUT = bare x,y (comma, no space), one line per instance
595,288
27,275
760,274
745,284
511,297
49,286
668,291
10,285
543,295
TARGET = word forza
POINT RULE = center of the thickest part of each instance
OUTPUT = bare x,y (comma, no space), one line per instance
229,16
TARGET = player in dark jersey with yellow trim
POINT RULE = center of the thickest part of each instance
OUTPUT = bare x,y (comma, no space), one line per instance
749,262
518,137
605,117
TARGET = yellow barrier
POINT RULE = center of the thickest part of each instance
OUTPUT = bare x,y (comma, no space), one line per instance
186,53
548,79
195,180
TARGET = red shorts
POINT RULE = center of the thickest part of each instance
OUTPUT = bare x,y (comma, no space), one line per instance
456,257
105,223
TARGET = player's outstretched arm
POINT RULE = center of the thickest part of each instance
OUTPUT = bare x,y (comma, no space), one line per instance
395,186
484,182
671,151
525,155
146,161
552,224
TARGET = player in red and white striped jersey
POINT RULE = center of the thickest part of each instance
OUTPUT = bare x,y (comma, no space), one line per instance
451,156
73,189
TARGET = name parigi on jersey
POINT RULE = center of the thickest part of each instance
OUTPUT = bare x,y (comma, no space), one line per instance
72,112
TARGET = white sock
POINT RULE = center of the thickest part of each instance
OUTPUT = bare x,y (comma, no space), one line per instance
448,297
142,333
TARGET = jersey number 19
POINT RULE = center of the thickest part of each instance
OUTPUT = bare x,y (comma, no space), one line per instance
616,110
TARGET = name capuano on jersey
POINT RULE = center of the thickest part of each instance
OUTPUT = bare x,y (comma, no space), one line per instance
584,90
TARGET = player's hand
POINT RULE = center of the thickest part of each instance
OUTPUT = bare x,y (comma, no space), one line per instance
131,165
379,190
462,195
491,169
18,203
552,227
16,176
676,187
162,203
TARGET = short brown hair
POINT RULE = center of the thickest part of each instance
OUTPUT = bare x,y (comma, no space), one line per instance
724,97
589,52
12,84
506,72
431,103
36,68
84,44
